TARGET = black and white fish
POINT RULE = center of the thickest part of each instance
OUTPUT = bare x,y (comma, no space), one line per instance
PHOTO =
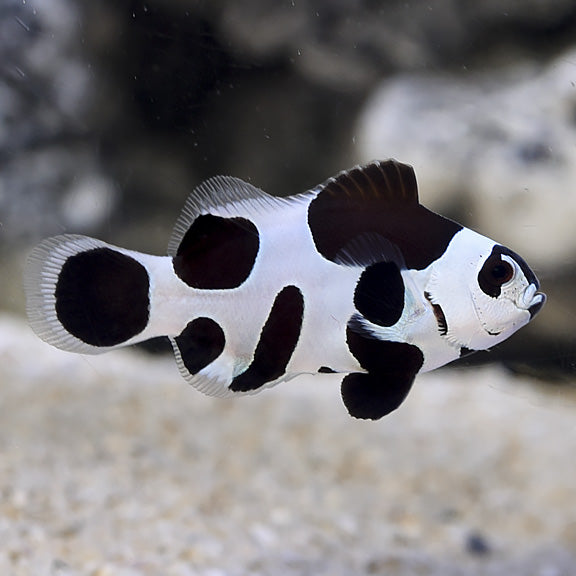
354,276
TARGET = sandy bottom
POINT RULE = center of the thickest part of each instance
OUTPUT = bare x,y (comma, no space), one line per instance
113,465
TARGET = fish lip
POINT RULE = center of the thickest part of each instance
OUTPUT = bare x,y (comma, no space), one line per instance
532,300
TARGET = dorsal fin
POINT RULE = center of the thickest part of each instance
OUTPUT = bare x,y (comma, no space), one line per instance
215,193
383,181
378,198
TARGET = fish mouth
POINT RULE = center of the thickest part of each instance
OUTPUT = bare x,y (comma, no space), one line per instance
532,300
539,301
438,314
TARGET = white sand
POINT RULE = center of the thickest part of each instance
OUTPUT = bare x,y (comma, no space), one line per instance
113,466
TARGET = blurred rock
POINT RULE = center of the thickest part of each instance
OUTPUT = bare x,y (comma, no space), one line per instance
45,114
349,45
497,149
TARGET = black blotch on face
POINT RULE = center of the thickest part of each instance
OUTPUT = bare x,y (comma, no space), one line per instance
380,198
277,343
200,343
464,352
391,367
217,253
102,297
496,271
379,294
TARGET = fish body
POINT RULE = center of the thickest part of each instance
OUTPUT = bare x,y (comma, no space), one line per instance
354,277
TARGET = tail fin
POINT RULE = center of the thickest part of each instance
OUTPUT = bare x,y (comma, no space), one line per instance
83,295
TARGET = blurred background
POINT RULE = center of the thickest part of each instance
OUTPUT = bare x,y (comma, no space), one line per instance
112,111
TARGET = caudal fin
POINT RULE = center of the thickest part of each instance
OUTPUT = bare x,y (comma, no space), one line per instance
84,295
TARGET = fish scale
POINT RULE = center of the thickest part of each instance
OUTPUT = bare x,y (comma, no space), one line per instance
354,277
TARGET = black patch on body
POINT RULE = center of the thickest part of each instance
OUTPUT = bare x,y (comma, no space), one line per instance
200,343
391,367
380,198
217,253
326,370
277,343
379,294
102,297
464,352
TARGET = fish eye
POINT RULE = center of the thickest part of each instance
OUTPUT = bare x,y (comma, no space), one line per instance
496,272
502,272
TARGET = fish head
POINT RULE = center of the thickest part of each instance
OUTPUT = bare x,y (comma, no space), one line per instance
505,295
482,292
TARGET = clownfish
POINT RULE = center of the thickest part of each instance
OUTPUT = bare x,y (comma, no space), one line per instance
354,277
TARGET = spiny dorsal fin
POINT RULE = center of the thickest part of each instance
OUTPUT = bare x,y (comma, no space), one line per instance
380,198
218,194
385,181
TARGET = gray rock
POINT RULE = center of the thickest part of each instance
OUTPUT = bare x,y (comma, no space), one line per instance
349,45
50,176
